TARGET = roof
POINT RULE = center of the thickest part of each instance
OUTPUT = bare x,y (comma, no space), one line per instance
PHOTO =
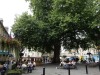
4,28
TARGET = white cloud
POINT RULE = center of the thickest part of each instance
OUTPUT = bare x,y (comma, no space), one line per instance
10,8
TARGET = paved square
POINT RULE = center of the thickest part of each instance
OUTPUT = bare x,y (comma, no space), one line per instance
51,70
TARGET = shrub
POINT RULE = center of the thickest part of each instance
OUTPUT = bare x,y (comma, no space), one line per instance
14,72
14,66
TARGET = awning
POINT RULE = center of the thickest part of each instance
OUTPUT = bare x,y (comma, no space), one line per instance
5,53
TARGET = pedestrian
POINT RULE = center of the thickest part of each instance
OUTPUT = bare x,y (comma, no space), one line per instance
29,64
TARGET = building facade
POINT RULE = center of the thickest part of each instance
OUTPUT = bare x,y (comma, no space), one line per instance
3,32
31,53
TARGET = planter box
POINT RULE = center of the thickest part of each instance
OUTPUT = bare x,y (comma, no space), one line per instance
14,74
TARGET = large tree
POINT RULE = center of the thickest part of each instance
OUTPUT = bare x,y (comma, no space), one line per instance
57,22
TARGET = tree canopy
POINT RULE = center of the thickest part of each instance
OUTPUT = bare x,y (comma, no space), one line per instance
71,23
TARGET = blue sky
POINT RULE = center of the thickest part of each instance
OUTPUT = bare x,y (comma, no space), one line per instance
10,8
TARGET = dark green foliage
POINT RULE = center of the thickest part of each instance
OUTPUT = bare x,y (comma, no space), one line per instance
71,23
14,66
14,72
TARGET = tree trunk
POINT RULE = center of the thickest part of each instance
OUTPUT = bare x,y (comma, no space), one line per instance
56,58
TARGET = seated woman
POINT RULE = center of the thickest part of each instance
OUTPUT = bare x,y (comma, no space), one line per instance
74,64
34,65
63,64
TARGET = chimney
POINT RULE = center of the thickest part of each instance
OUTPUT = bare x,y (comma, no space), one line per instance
1,20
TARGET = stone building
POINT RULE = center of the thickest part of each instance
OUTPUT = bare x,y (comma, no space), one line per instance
3,32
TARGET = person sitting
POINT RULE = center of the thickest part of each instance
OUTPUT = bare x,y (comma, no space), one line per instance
65,65
19,66
74,64
5,66
34,65
61,63
24,67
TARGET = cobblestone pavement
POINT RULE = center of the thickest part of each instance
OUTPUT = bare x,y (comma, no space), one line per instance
51,70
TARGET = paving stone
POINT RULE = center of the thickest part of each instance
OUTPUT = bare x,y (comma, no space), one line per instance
52,70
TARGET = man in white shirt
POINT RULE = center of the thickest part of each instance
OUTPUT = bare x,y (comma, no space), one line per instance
29,66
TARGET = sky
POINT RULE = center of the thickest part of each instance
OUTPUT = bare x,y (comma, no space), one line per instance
10,8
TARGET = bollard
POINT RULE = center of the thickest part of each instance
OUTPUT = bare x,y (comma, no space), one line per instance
43,71
86,69
68,70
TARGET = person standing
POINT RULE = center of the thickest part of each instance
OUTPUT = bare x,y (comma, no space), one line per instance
29,64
